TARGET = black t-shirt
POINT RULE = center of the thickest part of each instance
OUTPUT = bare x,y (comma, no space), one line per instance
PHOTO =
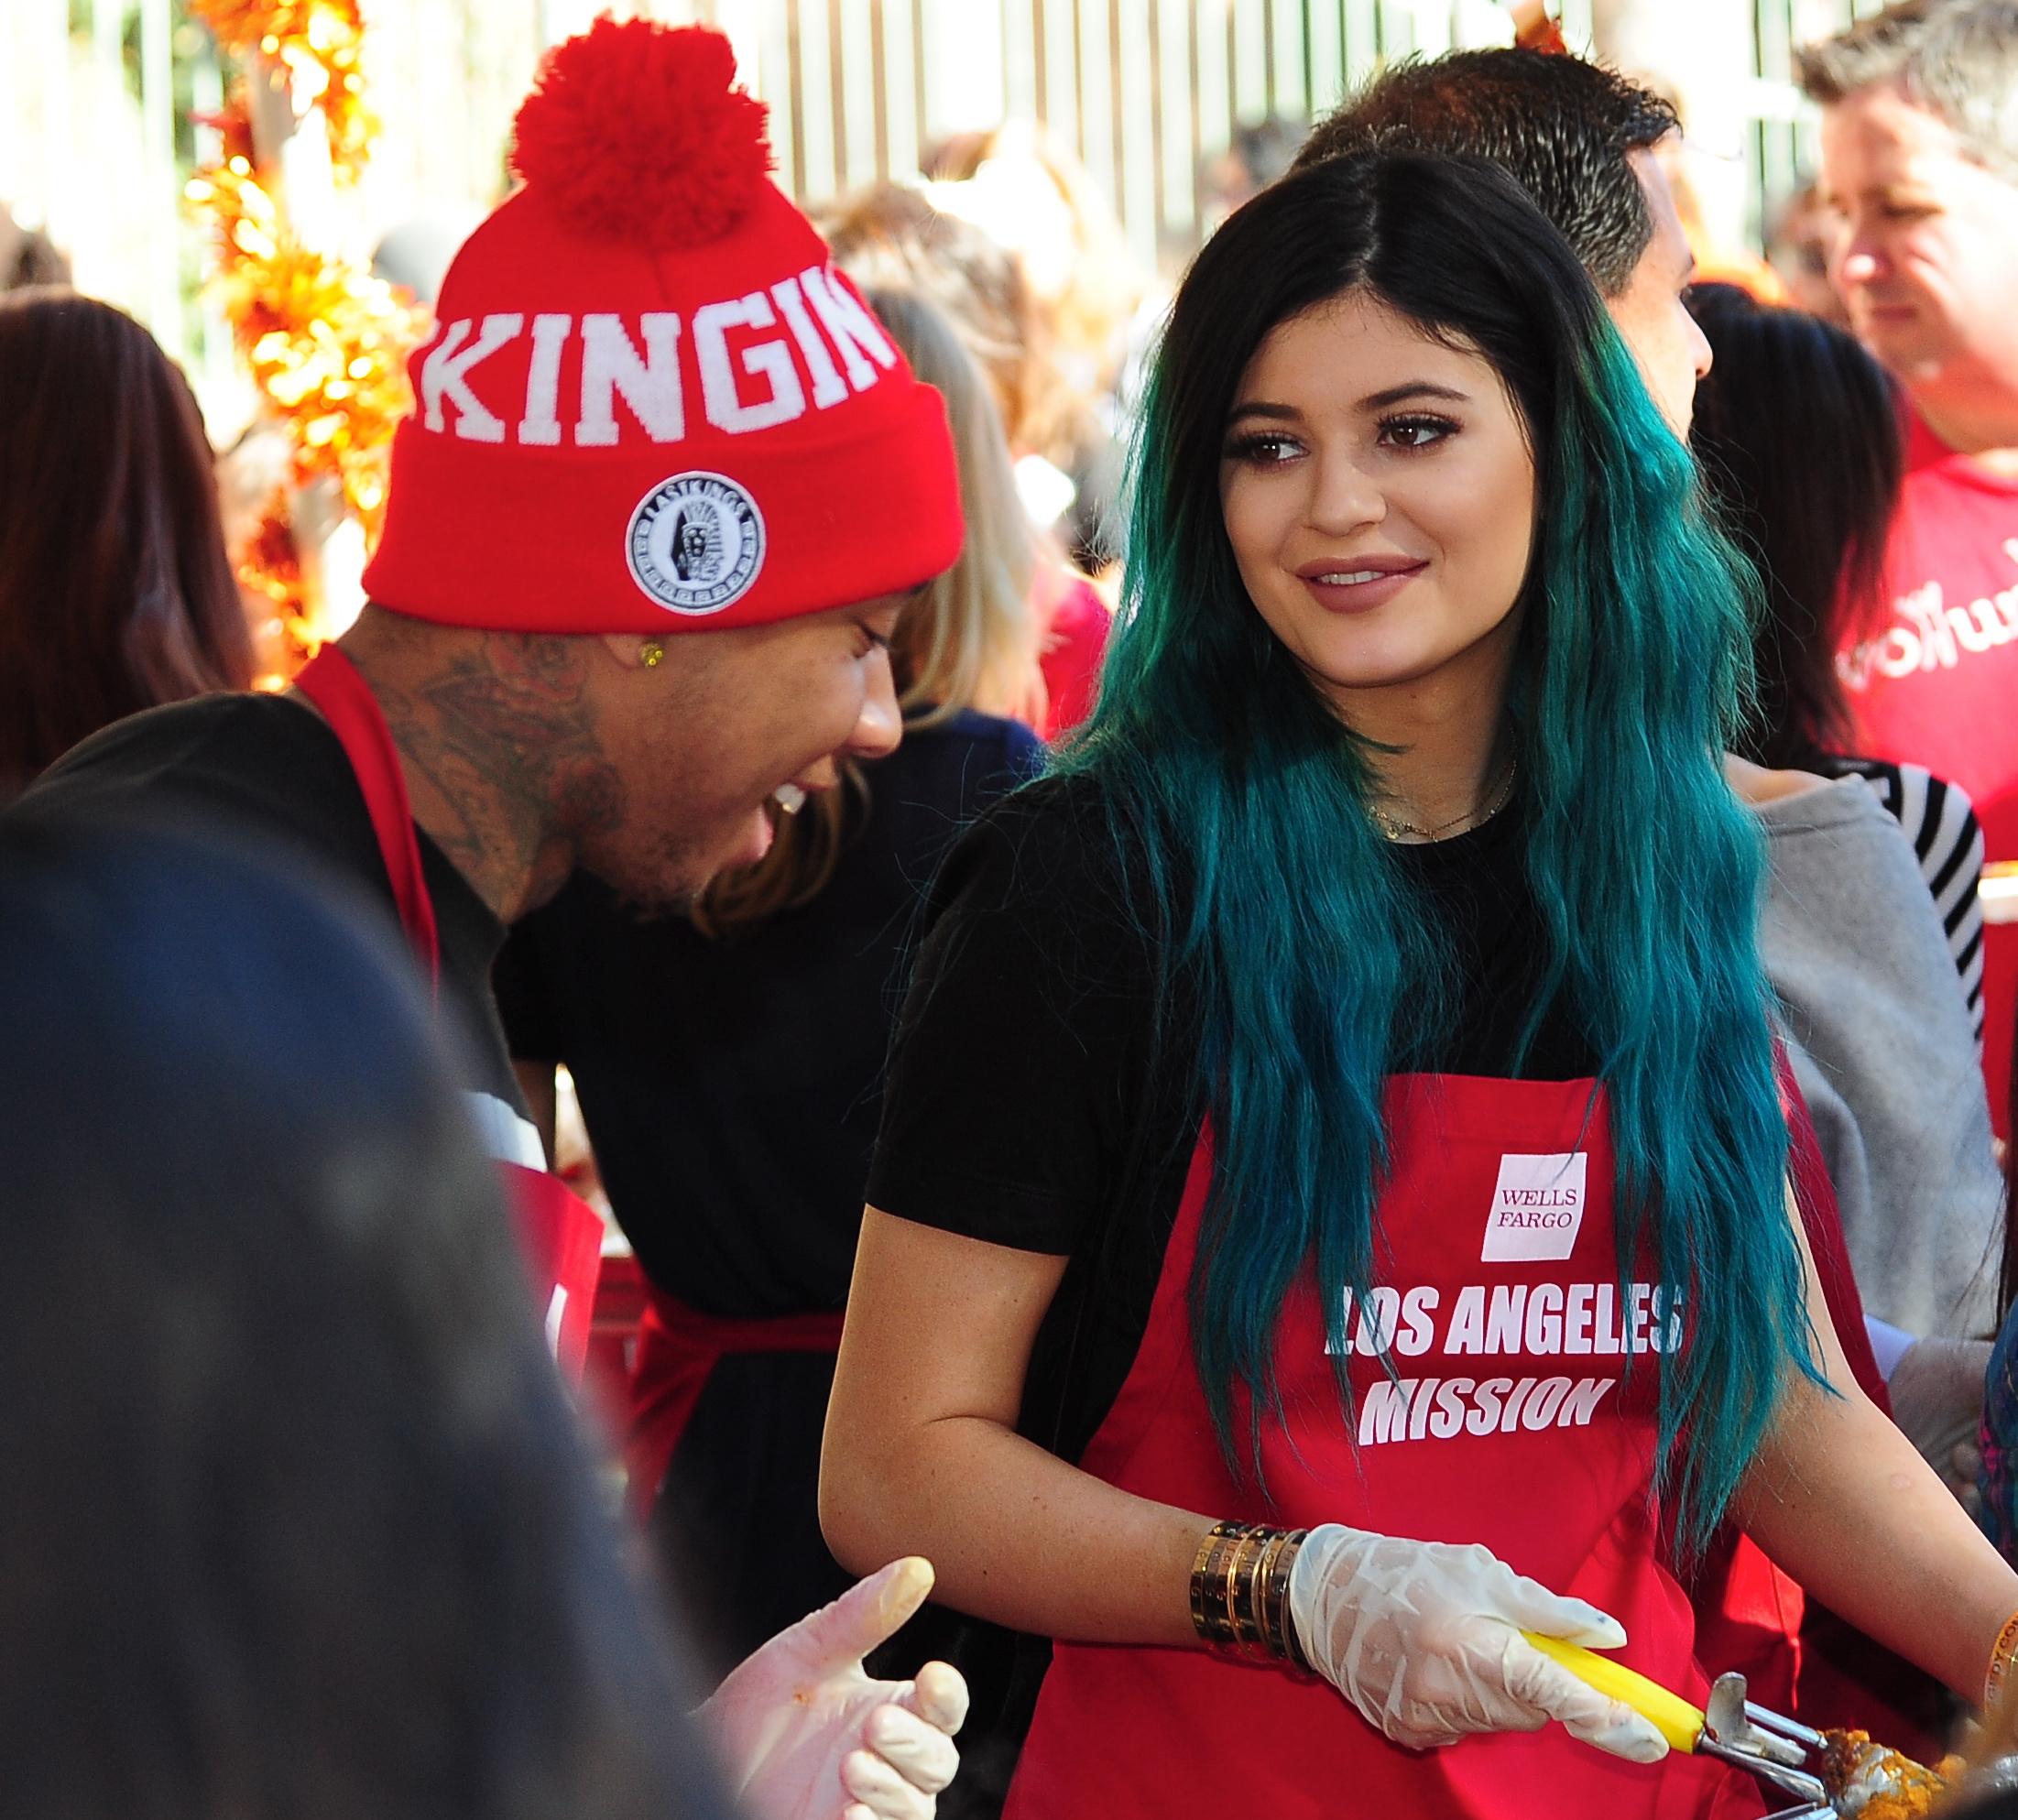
729,1085
1040,1096
269,769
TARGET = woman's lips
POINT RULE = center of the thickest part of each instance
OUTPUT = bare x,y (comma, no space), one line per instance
1349,590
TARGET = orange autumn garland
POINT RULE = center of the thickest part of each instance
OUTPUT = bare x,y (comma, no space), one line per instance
320,45
326,343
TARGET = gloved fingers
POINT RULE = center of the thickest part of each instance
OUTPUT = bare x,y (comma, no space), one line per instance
888,1796
920,1752
939,1697
1584,1712
870,1612
1623,1732
1530,1606
1429,1726
1426,1737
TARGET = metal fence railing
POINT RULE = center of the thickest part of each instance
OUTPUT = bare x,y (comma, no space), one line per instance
96,98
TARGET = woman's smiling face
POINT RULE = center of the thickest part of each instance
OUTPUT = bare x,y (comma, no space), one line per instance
1379,496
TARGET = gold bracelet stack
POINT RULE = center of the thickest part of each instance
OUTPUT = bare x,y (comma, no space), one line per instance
1240,1591
2004,1658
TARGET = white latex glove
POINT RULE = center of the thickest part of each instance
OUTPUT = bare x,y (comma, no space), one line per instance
1425,1639
806,1734
1937,1391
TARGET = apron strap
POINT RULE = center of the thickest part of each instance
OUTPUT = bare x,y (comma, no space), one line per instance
1815,1196
331,680
678,1349
560,1236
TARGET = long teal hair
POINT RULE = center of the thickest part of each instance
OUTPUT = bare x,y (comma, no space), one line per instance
1278,904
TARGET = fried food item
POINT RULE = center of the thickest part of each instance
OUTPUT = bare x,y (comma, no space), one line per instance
1870,1782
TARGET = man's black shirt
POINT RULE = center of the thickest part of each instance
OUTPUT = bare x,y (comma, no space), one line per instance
268,770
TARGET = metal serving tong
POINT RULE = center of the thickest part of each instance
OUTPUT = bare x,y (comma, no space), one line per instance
1730,1727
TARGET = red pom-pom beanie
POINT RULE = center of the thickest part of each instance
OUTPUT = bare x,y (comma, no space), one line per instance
651,403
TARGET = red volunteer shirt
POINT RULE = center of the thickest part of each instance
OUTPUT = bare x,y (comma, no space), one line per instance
1073,646
1939,685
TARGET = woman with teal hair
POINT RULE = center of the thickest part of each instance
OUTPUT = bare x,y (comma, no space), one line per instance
1331,1223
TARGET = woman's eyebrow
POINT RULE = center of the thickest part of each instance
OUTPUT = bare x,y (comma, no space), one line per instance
1263,408
1412,389
1268,409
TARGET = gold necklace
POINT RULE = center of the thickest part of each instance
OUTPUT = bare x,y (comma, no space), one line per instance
1394,829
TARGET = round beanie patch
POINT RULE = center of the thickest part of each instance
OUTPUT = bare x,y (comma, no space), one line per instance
695,543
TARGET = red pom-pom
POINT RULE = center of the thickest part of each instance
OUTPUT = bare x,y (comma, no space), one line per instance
637,130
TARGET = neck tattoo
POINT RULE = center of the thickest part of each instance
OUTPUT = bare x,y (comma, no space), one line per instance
1393,828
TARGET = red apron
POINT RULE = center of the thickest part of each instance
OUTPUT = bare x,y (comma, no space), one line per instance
561,1236
1506,1423
678,1349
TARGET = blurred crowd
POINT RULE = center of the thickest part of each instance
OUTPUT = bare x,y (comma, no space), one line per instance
612,840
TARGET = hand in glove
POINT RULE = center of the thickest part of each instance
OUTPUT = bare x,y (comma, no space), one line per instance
806,1734
1425,1639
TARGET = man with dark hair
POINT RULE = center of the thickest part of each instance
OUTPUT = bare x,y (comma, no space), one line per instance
1579,138
1920,171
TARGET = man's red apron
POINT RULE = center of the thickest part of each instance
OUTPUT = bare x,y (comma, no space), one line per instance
561,1236
678,1349
1508,1420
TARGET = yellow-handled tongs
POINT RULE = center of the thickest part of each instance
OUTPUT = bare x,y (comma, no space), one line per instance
1729,1727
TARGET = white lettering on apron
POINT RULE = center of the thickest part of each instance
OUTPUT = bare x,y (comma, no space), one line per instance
1439,1408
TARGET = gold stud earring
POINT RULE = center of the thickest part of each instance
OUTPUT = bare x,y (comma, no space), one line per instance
652,654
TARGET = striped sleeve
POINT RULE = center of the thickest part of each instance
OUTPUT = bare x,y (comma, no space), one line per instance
1940,822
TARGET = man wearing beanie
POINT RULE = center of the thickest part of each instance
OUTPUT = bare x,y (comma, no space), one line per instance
664,492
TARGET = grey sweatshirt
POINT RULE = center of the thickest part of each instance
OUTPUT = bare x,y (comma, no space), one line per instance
1885,1052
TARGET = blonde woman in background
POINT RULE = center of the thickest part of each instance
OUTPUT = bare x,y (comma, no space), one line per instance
895,237
1032,194
971,643
728,1063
